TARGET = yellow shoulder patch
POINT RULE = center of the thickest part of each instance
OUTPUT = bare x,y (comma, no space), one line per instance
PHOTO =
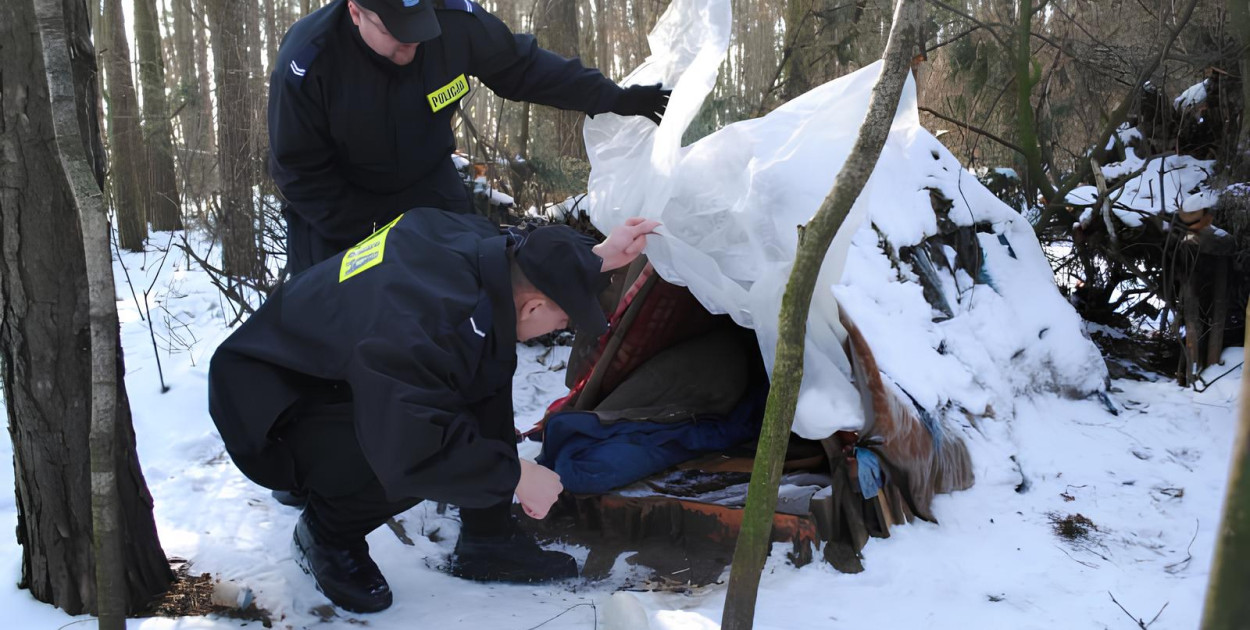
448,94
366,254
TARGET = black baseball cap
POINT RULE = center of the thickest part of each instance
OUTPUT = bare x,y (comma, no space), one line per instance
559,262
409,21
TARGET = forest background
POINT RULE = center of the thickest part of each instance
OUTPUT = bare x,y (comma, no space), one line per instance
1035,98
1029,96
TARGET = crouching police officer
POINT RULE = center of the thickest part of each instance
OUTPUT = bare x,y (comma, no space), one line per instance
383,376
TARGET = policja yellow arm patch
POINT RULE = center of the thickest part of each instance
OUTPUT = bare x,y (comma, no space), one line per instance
448,94
366,254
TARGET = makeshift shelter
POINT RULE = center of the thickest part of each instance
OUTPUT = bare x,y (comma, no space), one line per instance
934,311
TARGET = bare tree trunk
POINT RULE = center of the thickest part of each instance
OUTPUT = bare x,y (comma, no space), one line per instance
258,88
1219,309
524,141
285,18
206,146
1239,18
187,98
555,26
53,167
272,37
1193,328
236,218
1027,74
164,207
798,38
1227,606
129,161
85,200
814,239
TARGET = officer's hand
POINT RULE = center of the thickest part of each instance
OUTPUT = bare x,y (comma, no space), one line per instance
538,489
643,100
625,242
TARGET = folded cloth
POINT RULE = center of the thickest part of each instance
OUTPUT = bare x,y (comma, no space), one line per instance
592,457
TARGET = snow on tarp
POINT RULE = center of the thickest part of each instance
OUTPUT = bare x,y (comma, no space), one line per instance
730,204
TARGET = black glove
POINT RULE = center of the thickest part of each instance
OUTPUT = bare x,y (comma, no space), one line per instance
643,100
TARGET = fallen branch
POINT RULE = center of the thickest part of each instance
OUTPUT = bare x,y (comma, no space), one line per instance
1140,624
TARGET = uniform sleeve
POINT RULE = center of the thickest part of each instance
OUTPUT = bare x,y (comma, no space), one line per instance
516,68
302,161
416,431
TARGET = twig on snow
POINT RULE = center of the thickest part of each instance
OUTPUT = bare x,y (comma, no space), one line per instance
1075,559
1180,565
1140,624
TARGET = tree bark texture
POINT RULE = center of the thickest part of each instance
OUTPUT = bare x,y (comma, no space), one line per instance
87,204
1227,606
1219,309
206,147
555,26
258,88
187,99
272,36
236,214
1239,19
1027,75
164,207
45,331
1190,307
814,240
128,170
799,37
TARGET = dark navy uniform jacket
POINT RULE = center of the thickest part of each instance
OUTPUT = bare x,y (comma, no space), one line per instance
354,139
417,324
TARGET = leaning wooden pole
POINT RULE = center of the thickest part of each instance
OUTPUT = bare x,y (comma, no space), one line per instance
814,241
1227,605
110,572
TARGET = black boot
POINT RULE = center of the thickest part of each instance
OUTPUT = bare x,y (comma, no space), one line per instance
510,557
346,574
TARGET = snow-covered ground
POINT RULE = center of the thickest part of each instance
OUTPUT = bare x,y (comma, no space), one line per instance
1150,480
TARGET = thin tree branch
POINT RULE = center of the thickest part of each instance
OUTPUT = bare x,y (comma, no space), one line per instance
1009,145
954,39
966,16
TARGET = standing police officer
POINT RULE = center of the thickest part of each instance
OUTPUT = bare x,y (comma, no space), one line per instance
383,376
360,107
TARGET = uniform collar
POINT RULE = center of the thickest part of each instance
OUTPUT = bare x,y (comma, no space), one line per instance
496,275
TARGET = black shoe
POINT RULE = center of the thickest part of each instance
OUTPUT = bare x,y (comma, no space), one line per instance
293,498
513,557
347,575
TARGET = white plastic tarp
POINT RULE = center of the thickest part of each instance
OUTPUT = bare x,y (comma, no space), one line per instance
730,205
